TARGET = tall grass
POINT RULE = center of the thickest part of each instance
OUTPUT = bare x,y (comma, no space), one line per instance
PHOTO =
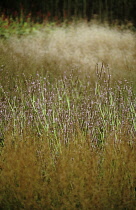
79,177
68,128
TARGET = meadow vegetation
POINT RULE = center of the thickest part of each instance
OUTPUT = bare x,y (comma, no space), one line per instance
68,118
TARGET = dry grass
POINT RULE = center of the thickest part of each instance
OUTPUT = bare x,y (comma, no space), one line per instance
78,177
78,47
68,129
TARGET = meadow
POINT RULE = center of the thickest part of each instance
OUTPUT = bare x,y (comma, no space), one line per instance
68,117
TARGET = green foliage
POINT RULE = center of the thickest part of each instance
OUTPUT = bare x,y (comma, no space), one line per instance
10,27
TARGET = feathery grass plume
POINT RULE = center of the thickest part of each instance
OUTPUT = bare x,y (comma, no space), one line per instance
78,47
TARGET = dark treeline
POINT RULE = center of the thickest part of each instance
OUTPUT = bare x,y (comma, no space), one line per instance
110,10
